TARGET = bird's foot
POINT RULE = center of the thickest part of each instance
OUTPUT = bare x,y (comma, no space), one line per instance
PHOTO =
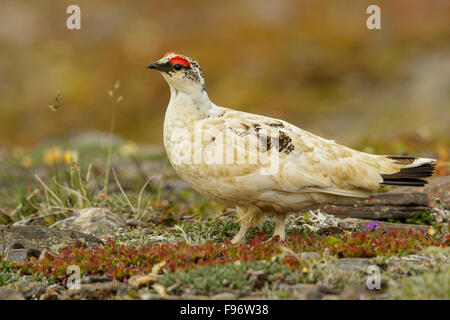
277,237
238,239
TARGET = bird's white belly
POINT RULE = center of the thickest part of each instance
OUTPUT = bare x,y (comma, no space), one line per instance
218,187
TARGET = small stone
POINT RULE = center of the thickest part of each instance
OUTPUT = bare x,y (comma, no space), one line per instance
10,294
16,255
93,221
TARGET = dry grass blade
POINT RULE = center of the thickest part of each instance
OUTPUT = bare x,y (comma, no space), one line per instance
133,209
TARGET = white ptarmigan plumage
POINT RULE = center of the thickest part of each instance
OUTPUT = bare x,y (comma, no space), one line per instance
214,150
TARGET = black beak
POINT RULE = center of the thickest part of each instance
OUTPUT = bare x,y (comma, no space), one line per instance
162,67
153,65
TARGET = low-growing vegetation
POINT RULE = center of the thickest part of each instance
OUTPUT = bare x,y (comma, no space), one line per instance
121,261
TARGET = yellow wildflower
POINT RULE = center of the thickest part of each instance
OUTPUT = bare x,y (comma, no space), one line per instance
70,156
53,156
431,231
305,270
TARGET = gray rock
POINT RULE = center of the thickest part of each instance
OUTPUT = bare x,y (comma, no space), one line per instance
309,255
20,255
39,220
28,288
95,279
97,291
329,290
322,292
34,239
353,264
298,287
53,293
301,291
93,221
315,294
16,255
10,294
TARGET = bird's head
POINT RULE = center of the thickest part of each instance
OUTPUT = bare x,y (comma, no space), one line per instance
181,73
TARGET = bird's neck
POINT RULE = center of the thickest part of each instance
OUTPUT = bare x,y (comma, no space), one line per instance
189,106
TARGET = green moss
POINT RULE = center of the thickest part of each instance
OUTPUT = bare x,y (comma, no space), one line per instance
209,280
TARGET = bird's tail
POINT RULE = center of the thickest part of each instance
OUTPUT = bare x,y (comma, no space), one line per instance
412,170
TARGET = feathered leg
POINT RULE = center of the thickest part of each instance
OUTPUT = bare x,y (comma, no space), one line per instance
249,218
279,226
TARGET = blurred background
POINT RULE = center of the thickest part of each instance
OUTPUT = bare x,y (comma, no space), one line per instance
313,63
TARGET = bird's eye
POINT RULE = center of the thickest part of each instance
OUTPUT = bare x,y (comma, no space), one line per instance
178,66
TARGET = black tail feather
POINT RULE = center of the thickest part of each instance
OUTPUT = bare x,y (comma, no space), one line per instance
409,176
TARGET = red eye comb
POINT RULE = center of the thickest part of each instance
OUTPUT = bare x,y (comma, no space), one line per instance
180,60
168,53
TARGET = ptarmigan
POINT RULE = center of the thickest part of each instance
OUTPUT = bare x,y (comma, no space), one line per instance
265,166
